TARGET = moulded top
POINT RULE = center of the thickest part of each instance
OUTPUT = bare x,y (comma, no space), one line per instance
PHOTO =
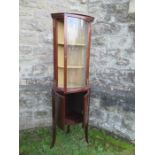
62,14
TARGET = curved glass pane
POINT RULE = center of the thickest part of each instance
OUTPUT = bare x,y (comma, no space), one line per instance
76,52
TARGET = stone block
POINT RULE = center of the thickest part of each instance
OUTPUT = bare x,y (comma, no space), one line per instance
41,114
43,50
127,76
30,4
25,50
128,120
28,38
40,14
25,12
43,59
95,103
34,24
33,4
123,62
132,28
40,70
22,82
83,1
108,1
111,12
46,38
119,42
132,6
39,81
98,41
26,70
106,28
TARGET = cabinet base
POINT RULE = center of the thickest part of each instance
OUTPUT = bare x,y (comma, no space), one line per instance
69,109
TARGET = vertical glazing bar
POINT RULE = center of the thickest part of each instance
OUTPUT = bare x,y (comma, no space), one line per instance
86,115
54,45
56,51
65,53
88,54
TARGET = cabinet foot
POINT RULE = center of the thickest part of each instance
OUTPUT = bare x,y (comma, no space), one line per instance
53,136
86,133
54,120
68,129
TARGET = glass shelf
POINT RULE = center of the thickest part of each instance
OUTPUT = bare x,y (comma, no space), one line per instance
71,67
70,44
72,85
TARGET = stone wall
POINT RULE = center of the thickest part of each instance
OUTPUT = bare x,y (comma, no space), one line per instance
112,62
36,57
112,67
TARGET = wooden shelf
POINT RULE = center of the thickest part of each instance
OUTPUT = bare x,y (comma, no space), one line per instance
72,67
75,58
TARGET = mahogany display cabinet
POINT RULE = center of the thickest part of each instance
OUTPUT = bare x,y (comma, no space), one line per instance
70,89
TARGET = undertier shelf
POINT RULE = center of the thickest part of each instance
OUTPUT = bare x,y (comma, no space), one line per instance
74,118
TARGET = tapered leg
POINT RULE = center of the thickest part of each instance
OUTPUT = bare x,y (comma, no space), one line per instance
54,120
68,128
86,113
86,132
82,125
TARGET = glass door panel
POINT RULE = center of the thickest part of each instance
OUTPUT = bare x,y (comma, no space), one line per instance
76,52
75,77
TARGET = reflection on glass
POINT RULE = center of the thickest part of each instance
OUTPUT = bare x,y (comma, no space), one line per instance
76,31
76,54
